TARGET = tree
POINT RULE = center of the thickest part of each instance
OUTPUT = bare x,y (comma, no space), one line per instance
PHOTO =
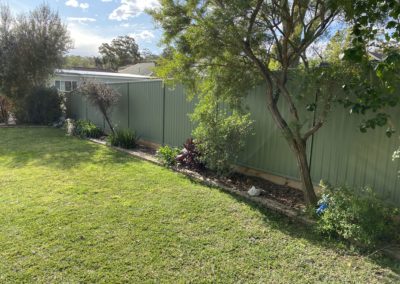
122,51
101,96
376,26
32,46
230,44
147,56
72,61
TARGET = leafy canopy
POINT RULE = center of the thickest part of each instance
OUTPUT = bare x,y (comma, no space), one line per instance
32,46
123,50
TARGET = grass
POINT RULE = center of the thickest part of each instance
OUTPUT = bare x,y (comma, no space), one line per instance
72,211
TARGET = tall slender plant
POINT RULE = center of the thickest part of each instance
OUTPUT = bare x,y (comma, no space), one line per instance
101,96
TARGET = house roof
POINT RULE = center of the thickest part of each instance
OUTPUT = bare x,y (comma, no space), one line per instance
144,69
376,55
100,74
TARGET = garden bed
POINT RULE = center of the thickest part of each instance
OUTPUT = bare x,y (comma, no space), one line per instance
285,195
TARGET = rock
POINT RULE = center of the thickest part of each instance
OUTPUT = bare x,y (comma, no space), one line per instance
253,191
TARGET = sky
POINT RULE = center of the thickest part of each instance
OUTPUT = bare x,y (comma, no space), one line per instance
93,22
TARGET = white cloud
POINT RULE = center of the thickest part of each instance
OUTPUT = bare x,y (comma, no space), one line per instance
72,3
106,0
84,5
76,4
81,20
86,40
132,8
146,36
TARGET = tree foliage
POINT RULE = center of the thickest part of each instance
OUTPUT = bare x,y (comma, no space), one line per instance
32,46
230,46
41,105
73,61
122,51
375,27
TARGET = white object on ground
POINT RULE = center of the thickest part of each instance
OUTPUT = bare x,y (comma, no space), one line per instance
253,191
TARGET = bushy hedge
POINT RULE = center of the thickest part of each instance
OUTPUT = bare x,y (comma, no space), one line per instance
220,138
361,217
42,105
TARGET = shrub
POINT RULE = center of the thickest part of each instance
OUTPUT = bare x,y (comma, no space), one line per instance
167,155
123,138
5,108
86,129
42,105
361,217
190,156
221,138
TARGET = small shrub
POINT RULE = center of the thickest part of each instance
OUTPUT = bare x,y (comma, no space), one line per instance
362,217
221,138
42,105
123,138
86,129
167,155
190,156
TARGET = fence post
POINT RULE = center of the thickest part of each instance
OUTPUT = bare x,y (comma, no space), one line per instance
86,109
163,116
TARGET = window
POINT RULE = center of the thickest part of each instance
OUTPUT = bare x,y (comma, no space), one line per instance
68,86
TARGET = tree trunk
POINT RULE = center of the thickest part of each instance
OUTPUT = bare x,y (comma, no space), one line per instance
109,124
296,143
300,150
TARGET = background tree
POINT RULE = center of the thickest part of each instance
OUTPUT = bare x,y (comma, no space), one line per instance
71,61
101,96
122,51
147,56
228,46
32,46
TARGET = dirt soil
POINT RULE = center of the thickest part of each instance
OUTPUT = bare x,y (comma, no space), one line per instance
288,196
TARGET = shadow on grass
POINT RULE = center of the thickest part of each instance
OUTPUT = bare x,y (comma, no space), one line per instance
290,227
50,147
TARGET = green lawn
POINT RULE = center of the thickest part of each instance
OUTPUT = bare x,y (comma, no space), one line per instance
73,211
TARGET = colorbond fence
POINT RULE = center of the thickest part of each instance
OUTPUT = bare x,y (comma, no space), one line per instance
339,153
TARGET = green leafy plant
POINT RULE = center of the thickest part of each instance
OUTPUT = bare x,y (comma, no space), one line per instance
167,155
86,129
123,138
41,105
220,134
361,217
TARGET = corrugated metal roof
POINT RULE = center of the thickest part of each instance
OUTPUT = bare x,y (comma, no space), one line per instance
144,68
100,74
